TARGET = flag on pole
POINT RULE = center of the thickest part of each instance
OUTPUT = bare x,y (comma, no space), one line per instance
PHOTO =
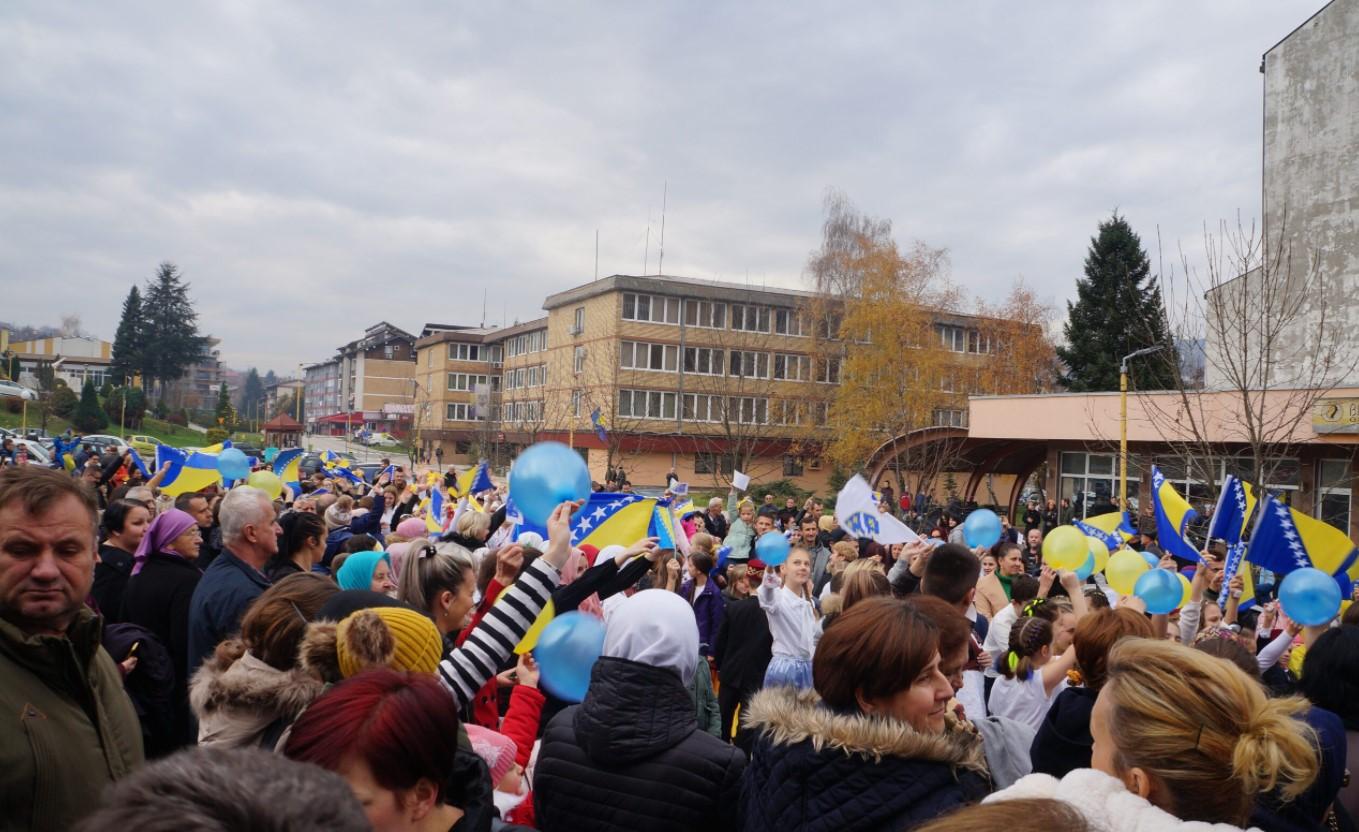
286,468
481,482
1286,539
601,430
434,517
1230,515
1173,516
857,512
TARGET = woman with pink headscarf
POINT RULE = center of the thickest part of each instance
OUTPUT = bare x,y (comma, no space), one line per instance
164,575
412,532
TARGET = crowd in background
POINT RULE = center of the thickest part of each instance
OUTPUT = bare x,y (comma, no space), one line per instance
340,659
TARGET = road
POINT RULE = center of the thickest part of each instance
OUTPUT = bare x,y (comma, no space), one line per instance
317,442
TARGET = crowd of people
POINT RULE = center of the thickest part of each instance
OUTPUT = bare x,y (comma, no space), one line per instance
337,659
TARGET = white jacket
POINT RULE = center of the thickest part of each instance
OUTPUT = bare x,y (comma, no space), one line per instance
1105,803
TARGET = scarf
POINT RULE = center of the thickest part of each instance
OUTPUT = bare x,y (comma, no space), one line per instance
1005,585
160,534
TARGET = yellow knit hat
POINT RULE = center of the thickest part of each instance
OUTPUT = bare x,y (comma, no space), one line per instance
394,637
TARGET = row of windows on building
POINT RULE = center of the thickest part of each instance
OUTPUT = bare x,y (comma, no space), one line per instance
509,412
742,317
711,463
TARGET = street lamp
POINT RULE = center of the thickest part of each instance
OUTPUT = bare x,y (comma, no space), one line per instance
1123,422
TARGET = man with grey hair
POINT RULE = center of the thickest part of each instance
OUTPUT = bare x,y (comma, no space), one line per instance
714,520
69,727
236,576
236,788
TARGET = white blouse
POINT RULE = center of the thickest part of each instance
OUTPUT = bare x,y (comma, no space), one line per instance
792,619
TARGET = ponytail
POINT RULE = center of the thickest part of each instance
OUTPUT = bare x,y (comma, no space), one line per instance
1272,751
1028,637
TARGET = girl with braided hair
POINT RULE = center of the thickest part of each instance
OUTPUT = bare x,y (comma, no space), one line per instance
1030,675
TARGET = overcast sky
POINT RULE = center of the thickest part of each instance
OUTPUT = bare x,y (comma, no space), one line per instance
315,168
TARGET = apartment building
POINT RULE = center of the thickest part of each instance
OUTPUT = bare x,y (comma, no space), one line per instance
75,359
369,383
689,375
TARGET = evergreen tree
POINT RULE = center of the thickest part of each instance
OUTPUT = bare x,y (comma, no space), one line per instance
131,416
127,342
1117,311
226,414
172,343
252,393
89,416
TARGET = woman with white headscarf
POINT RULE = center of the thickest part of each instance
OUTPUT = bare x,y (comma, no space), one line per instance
631,755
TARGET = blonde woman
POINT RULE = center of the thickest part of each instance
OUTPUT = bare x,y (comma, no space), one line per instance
1182,739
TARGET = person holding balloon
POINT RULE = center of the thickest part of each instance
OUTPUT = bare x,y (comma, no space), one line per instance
785,596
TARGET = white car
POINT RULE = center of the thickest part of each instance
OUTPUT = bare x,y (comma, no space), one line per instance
10,390
103,440
383,440
36,454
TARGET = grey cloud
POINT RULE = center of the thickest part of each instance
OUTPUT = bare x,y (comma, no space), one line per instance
314,167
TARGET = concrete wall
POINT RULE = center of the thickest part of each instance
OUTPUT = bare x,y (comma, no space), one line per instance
1311,188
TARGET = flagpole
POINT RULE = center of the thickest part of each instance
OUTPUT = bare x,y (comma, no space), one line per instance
1123,423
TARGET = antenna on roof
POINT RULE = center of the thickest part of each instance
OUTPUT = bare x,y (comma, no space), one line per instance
596,254
646,251
660,261
483,307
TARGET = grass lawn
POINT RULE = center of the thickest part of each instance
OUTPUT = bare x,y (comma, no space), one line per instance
164,431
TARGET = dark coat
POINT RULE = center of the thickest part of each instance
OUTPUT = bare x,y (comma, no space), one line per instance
709,610
1063,742
744,645
632,757
157,598
716,526
815,770
110,581
150,685
220,599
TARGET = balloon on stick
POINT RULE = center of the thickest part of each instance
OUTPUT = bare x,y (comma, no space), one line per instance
1159,589
566,651
543,477
772,548
233,464
1125,567
1065,547
981,528
1309,596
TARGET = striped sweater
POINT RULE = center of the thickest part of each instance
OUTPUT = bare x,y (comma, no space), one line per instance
467,667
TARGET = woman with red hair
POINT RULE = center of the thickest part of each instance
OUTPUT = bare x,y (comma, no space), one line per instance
393,737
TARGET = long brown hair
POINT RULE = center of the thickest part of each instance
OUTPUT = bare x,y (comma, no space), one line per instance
273,626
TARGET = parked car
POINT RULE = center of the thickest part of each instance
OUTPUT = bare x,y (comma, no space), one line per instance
144,445
14,390
382,440
36,454
101,441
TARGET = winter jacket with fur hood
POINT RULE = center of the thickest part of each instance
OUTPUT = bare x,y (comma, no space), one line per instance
237,697
1104,802
816,770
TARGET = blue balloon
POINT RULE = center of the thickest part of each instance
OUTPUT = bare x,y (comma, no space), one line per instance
1152,561
1160,589
565,653
233,464
543,477
981,528
722,555
1309,596
1086,569
772,548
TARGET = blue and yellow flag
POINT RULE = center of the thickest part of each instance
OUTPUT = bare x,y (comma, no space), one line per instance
189,471
662,528
601,429
63,451
1286,539
434,515
481,483
1233,511
136,460
1173,516
218,448
1108,528
286,468
608,519
463,485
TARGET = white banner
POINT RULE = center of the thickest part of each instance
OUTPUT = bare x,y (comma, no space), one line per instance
857,513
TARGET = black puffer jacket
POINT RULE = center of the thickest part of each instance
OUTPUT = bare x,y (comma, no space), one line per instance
1063,742
631,757
816,770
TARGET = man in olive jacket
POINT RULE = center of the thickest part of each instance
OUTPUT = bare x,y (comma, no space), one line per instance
69,729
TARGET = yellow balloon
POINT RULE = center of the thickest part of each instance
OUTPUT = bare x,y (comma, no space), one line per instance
1125,567
530,639
1065,547
266,481
1186,587
1101,553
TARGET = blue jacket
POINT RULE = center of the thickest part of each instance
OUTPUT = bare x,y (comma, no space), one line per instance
816,770
220,599
709,608
370,523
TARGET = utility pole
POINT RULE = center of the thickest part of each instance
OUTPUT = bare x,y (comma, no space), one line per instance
1123,422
